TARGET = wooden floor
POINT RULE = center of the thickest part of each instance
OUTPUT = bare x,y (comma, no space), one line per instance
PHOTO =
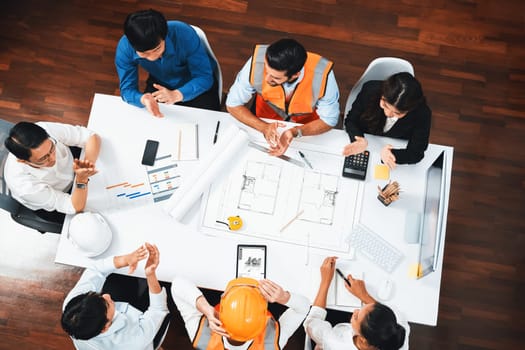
468,54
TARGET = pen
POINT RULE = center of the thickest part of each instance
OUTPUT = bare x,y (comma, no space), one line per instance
216,132
305,160
343,277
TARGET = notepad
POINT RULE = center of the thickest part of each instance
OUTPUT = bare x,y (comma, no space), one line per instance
337,293
381,172
184,143
342,296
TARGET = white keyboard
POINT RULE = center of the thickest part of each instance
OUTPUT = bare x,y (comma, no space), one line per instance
375,248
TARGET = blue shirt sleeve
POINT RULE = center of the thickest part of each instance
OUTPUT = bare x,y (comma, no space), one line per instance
199,64
328,105
241,91
128,73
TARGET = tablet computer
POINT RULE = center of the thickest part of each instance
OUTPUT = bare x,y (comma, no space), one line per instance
251,261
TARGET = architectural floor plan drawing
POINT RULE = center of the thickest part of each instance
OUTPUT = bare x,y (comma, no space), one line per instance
281,201
318,197
260,185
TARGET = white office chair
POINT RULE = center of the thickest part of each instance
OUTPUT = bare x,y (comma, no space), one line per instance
379,69
307,343
217,72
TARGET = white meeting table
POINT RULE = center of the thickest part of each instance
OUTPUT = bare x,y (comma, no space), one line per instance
210,261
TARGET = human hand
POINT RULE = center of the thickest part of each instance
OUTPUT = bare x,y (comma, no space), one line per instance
132,259
358,146
358,289
327,270
153,259
388,157
284,141
83,170
273,292
215,323
211,314
165,95
271,134
151,105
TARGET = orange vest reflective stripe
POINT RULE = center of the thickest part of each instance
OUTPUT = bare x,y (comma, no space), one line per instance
205,339
271,100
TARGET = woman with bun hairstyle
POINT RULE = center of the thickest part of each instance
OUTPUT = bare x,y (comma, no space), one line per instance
393,108
373,327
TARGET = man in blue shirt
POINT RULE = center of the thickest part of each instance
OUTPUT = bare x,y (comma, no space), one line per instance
180,70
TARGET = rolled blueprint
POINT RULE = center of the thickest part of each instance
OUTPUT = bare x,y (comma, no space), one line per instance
232,144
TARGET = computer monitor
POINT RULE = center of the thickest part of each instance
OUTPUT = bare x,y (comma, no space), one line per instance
432,220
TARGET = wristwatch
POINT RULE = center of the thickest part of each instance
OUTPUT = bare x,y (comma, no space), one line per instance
299,133
82,186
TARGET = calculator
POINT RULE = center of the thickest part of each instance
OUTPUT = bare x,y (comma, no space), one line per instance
355,165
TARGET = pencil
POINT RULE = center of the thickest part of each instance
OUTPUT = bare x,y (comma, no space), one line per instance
292,220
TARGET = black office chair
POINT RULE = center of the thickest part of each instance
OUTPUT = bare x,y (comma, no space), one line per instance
19,213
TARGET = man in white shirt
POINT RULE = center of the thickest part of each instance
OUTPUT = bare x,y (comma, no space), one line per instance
241,320
374,326
40,168
95,321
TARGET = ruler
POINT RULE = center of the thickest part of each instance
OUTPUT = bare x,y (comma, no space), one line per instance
283,157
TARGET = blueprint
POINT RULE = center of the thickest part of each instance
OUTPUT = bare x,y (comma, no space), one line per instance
278,200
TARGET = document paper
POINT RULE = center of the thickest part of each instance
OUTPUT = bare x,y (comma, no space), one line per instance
267,192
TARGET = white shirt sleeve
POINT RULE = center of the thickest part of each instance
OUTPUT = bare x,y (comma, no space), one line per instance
152,319
241,91
315,325
292,318
41,195
185,295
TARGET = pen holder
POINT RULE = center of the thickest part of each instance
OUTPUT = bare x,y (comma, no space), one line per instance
389,193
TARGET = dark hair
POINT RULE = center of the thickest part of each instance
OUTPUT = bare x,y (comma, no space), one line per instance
286,55
145,29
380,328
402,91
23,137
84,316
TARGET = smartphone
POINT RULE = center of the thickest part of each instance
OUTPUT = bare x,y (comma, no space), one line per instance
150,152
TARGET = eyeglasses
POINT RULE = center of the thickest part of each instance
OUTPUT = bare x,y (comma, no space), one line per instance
43,160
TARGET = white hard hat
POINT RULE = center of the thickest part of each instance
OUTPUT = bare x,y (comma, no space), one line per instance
90,233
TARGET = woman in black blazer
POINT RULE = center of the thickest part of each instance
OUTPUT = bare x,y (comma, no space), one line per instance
394,108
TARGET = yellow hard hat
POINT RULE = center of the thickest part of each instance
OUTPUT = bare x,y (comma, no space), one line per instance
243,309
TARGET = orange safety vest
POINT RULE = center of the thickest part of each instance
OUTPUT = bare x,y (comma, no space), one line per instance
271,100
206,339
